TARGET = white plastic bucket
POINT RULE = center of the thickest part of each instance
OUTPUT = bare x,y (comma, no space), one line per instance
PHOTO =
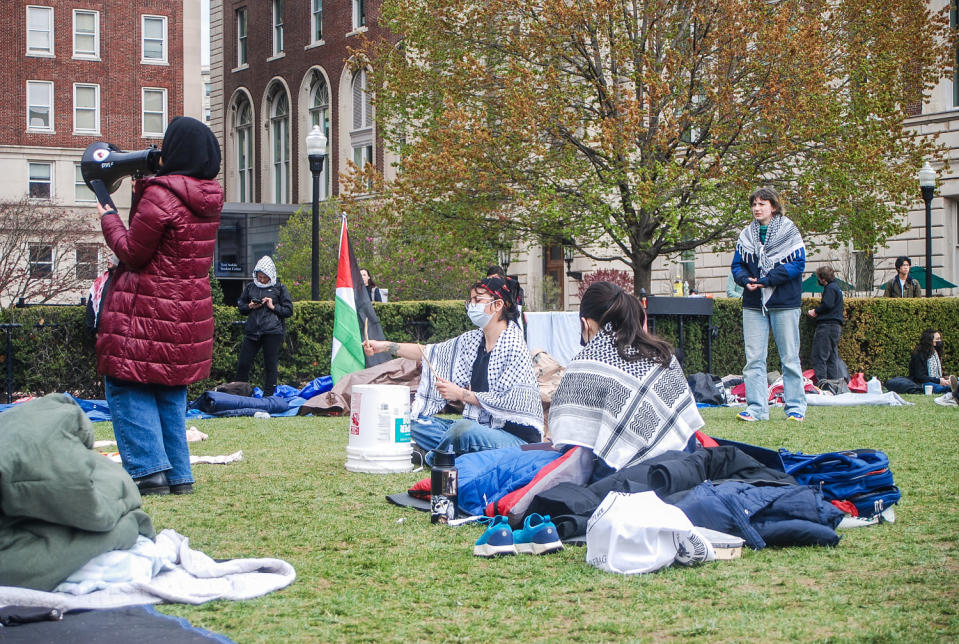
379,429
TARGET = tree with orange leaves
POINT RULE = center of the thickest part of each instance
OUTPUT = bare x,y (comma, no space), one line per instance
637,128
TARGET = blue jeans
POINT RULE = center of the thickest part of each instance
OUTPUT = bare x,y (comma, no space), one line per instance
463,436
784,324
149,422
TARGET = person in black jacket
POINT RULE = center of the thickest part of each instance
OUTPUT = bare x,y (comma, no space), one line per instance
829,319
267,303
925,366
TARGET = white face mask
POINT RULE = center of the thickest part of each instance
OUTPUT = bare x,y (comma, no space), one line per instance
478,315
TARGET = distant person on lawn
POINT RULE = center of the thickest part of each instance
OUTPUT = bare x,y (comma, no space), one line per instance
829,319
267,305
925,365
901,285
768,263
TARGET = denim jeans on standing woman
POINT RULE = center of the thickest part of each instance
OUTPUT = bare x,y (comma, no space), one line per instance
784,324
149,422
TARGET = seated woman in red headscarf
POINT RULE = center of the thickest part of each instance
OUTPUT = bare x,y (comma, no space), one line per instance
488,369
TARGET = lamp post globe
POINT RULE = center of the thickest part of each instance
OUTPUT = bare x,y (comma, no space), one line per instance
316,153
927,184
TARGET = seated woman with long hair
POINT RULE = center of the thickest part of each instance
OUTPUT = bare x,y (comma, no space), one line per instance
488,369
925,365
624,396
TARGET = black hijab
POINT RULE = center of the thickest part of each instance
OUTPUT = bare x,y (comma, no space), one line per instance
189,148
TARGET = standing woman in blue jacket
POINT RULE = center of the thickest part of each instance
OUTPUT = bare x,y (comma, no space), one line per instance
769,262
267,303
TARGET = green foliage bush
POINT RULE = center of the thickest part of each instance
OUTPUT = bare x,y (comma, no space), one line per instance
53,351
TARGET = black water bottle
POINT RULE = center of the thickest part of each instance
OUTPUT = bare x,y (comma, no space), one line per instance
443,487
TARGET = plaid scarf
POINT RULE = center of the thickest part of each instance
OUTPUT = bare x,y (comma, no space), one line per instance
626,412
783,243
513,393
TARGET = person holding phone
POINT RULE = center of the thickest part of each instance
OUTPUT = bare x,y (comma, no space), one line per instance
267,304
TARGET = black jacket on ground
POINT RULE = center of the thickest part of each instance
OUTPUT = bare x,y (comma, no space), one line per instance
262,320
830,311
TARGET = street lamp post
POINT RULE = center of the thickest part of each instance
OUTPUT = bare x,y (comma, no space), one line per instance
927,183
503,257
316,152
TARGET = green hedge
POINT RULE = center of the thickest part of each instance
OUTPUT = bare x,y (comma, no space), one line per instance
53,351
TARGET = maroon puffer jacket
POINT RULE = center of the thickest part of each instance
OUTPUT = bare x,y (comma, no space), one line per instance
157,320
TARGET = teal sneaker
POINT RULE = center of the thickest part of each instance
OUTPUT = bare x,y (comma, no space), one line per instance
496,541
538,536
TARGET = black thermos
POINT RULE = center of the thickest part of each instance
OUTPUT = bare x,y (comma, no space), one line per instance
443,487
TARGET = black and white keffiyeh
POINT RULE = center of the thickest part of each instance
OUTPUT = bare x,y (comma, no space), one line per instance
783,244
626,412
513,393
934,365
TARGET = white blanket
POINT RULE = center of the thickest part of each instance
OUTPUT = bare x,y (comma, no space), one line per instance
888,399
186,576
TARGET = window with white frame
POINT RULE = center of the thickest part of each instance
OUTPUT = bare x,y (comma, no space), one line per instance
88,261
39,31
41,261
86,34
359,14
154,44
41,180
316,21
40,105
277,27
244,151
280,129
361,135
320,115
241,37
81,191
154,111
86,109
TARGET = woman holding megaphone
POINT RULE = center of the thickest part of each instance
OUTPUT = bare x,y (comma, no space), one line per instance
156,327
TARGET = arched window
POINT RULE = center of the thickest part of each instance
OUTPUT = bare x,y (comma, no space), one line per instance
280,136
320,115
361,136
243,126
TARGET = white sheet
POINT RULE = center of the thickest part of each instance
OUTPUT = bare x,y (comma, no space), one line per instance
189,577
888,399
555,332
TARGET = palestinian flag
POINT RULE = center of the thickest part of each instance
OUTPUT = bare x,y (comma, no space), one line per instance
352,313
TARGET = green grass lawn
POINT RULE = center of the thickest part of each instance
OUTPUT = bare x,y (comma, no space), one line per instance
371,571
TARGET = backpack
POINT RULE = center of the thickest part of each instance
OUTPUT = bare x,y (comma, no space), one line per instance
860,476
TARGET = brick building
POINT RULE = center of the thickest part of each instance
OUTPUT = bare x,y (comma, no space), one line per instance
277,69
80,71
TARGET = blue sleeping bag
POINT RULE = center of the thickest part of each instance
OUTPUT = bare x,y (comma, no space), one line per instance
217,403
487,476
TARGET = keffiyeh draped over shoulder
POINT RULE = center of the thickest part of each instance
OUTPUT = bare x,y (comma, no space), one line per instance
626,412
783,244
513,394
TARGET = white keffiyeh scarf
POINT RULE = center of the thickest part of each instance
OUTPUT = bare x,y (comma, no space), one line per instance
513,393
934,365
626,412
783,244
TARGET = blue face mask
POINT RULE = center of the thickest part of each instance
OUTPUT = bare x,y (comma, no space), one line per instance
478,315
